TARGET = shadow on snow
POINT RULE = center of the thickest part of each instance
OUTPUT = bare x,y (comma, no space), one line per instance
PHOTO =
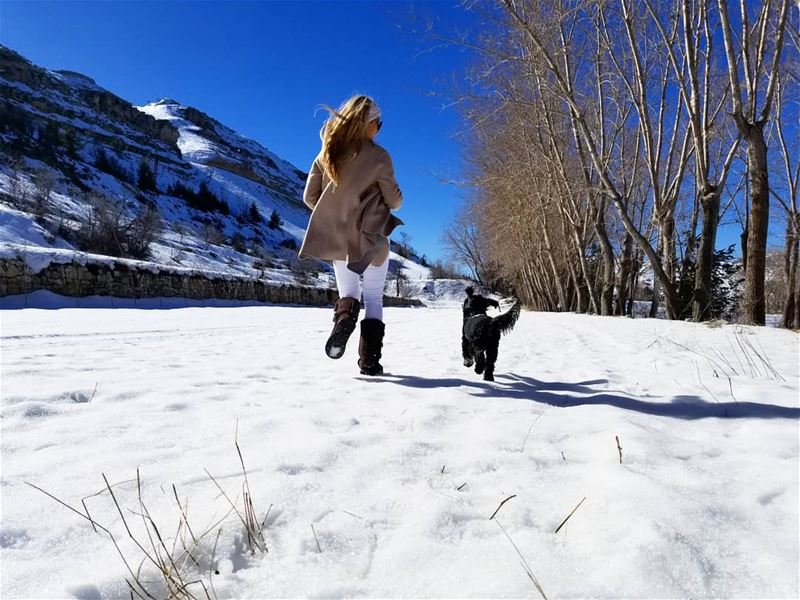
565,395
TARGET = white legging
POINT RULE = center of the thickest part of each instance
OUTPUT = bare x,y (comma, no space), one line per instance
374,279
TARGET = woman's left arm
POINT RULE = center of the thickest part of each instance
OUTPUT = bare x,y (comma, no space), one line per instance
390,189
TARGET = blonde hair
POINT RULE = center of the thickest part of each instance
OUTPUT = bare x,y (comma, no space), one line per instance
343,133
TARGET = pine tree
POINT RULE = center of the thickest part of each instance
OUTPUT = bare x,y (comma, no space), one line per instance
49,141
274,220
726,284
71,143
253,215
147,179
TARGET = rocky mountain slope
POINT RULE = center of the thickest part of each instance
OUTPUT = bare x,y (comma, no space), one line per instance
85,174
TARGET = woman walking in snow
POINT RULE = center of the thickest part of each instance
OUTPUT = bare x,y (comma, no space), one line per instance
351,189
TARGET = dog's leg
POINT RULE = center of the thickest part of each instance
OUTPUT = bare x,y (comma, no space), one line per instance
480,361
466,351
491,358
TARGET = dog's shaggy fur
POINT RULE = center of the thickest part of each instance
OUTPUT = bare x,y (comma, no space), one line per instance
480,333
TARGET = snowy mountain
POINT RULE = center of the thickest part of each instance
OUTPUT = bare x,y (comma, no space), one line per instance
182,190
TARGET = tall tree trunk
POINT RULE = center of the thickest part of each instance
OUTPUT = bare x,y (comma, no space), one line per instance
580,298
705,255
667,232
790,307
607,255
754,275
743,244
634,284
557,279
655,301
579,250
624,274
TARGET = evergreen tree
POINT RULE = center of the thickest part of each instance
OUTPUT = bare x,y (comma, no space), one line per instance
147,179
71,143
274,220
726,286
49,141
253,215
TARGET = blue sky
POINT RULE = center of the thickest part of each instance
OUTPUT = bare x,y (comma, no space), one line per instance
263,67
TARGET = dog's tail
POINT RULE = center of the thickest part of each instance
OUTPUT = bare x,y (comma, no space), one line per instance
505,322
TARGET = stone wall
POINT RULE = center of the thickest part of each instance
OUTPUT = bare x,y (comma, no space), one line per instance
121,280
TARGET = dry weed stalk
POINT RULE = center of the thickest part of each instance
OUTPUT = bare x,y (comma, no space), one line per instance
184,565
254,529
564,522
525,565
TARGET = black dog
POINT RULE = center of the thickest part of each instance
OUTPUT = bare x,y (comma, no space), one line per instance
480,333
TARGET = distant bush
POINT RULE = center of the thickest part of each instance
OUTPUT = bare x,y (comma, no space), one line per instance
275,220
212,234
289,243
305,270
44,183
142,232
442,270
110,232
262,264
203,199
238,242
403,246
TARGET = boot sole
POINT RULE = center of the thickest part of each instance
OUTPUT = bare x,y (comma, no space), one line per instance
376,372
336,345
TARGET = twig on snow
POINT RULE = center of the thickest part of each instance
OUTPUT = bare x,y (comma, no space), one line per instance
316,539
569,515
501,505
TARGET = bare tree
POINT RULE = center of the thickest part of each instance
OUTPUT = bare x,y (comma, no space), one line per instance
689,43
404,244
109,230
212,234
790,158
44,182
596,142
750,55
534,24
18,189
461,240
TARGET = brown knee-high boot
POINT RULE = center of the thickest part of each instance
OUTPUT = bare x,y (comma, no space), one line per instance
345,317
369,346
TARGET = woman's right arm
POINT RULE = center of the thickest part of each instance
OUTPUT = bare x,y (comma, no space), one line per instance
313,186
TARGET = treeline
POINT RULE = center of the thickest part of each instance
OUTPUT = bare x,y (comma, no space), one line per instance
611,136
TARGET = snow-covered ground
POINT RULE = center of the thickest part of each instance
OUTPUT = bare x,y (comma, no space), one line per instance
399,475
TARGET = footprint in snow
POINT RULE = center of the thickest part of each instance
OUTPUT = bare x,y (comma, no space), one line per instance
84,592
13,537
766,499
35,411
298,469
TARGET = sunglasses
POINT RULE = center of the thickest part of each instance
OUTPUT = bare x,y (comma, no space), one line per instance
380,124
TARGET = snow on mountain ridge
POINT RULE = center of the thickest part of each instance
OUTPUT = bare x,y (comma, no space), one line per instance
204,140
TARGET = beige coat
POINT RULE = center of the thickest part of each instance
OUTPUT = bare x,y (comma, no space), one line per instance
339,228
